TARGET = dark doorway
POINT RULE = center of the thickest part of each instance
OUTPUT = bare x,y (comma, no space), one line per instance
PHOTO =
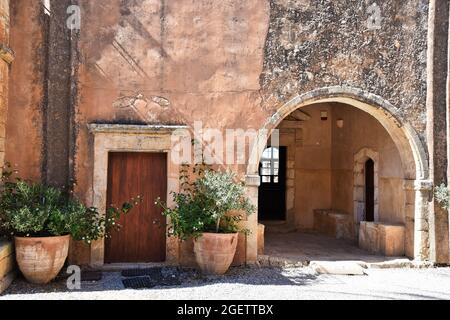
370,190
272,191
142,237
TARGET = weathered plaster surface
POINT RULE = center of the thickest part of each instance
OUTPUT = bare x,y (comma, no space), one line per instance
315,44
172,62
26,95
6,57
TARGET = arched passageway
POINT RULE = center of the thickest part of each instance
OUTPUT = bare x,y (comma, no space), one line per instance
339,136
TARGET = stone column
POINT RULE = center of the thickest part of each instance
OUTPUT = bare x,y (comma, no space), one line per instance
437,55
423,190
252,182
6,57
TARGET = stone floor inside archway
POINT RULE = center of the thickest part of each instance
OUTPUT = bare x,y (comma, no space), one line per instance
304,247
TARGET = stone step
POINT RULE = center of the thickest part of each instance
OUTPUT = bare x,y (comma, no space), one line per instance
341,267
7,265
400,264
6,281
354,268
276,227
6,249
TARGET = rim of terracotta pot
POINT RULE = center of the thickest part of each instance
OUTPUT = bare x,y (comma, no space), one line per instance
219,234
40,238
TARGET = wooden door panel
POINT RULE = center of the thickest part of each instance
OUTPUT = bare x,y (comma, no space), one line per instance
140,238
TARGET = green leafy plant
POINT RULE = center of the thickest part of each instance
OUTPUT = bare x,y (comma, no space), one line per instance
205,202
34,210
442,194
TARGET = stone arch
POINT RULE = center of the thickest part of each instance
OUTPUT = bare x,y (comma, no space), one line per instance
359,183
412,152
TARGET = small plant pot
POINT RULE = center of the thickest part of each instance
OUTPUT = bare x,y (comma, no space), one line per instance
214,252
41,259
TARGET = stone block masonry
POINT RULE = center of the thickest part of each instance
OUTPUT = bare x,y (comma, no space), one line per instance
333,223
382,238
7,264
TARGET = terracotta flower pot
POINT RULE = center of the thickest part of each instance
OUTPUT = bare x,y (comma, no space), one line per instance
41,259
214,252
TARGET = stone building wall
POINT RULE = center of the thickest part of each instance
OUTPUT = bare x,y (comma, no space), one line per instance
157,61
171,62
25,126
230,64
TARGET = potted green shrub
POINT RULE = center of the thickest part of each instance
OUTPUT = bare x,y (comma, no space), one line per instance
203,212
41,219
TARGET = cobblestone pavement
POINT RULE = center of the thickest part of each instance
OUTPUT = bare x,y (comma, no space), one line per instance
260,284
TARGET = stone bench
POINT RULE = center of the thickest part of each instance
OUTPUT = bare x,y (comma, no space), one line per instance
382,238
333,223
7,264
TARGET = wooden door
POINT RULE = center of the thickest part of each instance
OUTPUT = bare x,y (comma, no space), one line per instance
272,191
142,237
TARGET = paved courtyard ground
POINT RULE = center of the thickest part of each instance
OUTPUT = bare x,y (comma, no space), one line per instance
260,284
299,246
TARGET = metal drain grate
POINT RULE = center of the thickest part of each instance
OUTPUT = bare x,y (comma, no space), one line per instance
161,277
151,272
138,283
91,275
169,281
